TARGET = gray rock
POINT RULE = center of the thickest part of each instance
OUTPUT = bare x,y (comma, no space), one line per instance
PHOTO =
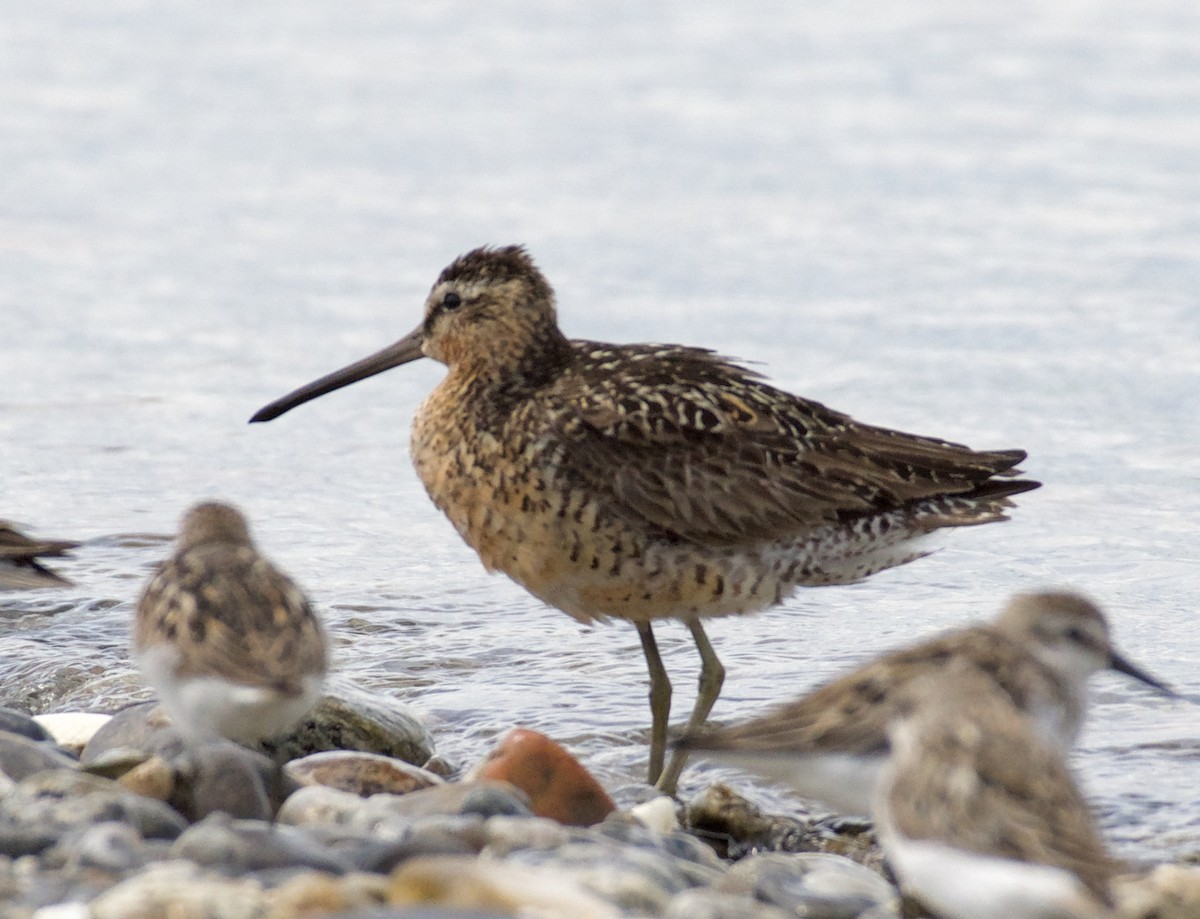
15,722
241,846
46,805
20,756
813,885
223,777
143,727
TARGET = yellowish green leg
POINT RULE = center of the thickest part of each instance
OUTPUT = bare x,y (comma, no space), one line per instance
660,701
712,677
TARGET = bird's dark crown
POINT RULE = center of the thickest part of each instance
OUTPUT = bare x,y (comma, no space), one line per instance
488,265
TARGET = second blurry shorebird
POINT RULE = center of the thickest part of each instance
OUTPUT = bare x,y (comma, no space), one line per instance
229,642
831,743
647,482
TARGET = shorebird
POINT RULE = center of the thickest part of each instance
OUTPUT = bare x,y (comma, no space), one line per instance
832,743
229,643
979,818
19,565
647,482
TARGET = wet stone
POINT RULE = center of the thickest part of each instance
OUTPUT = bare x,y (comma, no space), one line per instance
361,773
734,826
143,727
813,884
15,722
20,756
349,718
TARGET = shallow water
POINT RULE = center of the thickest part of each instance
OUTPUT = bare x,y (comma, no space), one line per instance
973,221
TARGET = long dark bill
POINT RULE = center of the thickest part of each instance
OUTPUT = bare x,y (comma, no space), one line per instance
402,352
1127,667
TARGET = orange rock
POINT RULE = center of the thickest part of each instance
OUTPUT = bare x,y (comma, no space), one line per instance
557,785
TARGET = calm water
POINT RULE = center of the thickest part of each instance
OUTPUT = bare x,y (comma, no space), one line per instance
977,221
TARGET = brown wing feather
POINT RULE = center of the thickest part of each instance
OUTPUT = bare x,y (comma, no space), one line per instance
851,713
706,450
238,616
1001,791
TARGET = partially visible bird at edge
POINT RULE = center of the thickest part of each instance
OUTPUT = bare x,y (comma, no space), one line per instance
20,559
646,481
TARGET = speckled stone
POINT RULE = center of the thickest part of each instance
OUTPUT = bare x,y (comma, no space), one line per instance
350,718
363,774
736,826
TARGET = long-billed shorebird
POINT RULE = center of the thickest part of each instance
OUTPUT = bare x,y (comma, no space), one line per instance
832,743
979,817
647,482
229,643
20,555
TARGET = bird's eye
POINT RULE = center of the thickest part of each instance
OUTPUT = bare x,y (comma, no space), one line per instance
451,301
1076,635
